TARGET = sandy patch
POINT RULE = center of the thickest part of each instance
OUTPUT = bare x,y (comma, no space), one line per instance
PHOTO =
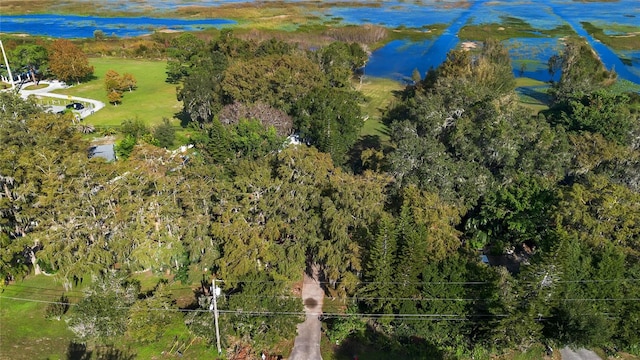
284,16
18,34
468,45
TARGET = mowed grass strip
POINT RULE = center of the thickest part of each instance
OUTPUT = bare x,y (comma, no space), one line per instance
152,100
379,94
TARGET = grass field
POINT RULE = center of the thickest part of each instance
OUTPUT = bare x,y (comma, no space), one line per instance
379,94
153,99
26,334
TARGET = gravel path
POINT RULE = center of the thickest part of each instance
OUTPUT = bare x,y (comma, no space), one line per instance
307,343
579,354
55,85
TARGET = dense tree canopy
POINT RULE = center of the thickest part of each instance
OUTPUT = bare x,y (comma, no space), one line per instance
552,201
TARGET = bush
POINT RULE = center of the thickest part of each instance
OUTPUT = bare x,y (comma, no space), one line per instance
135,128
125,147
164,134
58,308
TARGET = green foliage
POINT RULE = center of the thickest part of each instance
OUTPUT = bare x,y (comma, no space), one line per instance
182,54
249,138
252,301
330,119
165,134
150,317
214,140
33,59
102,314
581,72
134,127
277,80
339,61
346,327
599,212
515,213
125,147
98,35
379,273
58,308
601,112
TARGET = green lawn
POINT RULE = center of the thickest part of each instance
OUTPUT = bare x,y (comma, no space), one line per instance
153,100
379,94
25,333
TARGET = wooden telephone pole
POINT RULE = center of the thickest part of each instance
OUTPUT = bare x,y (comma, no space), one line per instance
13,85
214,292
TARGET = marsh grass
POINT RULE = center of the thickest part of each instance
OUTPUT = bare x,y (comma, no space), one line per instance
511,28
629,38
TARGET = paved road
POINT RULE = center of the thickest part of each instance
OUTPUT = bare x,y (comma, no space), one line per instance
54,85
307,344
579,354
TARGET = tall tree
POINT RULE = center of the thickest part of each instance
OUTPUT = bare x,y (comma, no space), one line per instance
68,62
581,71
102,314
278,80
330,119
379,272
182,54
32,59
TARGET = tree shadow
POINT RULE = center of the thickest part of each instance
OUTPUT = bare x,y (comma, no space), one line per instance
373,345
535,94
367,142
184,118
77,351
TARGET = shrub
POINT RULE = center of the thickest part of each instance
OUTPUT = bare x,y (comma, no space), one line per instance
165,134
58,308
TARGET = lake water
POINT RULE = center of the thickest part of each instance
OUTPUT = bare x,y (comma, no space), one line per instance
399,58
70,26
530,55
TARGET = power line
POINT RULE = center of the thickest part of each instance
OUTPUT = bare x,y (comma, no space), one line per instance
38,301
400,317
346,298
362,282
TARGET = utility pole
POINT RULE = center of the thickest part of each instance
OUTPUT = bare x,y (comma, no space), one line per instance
6,62
214,292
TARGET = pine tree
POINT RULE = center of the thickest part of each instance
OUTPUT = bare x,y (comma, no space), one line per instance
379,274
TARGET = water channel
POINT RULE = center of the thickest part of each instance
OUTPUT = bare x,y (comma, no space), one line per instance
398,58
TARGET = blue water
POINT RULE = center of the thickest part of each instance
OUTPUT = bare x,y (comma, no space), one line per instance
407,15
541,14
406,56
70,26
608,57
399,58
423,55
